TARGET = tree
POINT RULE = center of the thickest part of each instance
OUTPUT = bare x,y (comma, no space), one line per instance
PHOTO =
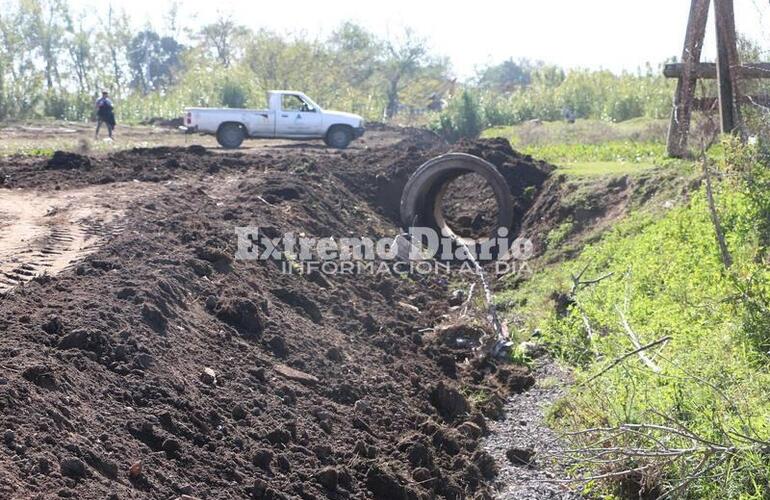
153,61
403,60
115,36
45,23
356,52
222,38
506,76
22,83
463,119
79,46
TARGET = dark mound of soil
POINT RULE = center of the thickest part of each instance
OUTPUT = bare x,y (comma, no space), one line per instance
162,366
62,160
380,176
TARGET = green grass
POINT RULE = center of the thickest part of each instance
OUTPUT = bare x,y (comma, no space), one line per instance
667,281
593,147
603,168
639,130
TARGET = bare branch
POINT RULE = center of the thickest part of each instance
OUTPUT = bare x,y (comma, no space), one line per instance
627,355
635,341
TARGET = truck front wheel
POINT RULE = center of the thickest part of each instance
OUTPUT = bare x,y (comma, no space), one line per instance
231,135
339,136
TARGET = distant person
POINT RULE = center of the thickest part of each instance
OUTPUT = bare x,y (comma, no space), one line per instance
104,114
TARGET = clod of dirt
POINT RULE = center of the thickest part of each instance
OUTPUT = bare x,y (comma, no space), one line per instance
97,342
53,325
328,477
300,301
9,437
448,365
262,458
449,402
197,149
62,160
73,467
471,430
520,456
154,317
135,470
208,376
385,485
516,378
239,412
278,346
243,315
41,375
335,354
171,447
486,464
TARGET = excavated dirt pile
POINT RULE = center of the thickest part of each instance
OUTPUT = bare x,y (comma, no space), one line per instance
159,366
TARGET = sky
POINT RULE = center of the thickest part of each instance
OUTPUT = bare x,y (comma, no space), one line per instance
610,34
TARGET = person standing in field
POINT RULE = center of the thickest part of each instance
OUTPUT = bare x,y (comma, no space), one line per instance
104,114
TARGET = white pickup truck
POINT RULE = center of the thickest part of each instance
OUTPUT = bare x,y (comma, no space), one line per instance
289,115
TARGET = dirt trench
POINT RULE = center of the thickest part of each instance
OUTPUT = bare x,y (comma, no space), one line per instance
154,365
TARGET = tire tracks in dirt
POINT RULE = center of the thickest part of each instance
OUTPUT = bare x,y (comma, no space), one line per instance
46,232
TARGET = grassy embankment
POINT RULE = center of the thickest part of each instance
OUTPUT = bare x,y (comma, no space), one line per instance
687,416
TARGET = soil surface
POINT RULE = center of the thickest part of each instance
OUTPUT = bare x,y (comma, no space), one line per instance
140,359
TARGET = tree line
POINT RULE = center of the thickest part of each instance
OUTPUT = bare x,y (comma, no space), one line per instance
54,60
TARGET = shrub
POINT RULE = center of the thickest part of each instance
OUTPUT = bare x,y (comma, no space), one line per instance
232,95
463,119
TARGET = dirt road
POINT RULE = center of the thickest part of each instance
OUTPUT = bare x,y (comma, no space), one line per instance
139,359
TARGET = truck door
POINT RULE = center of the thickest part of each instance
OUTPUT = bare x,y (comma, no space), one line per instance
298,117
261,123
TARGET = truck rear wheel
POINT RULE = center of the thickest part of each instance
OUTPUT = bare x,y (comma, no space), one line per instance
231,135
339,136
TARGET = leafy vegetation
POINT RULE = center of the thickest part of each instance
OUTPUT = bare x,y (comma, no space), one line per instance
463,119
55,59
686,413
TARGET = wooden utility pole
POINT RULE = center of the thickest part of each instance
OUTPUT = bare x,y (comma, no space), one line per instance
727,71
679,129
727,65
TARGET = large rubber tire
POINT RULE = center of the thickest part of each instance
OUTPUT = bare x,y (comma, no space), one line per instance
423,193
231,135
338,137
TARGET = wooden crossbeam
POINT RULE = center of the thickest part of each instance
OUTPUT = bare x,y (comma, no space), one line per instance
728,71
708,71
711,103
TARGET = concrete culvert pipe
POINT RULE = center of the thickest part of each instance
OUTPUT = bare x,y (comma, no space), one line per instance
423,195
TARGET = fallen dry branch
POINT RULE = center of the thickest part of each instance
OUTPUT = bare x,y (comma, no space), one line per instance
699,458
578,283
627,355
635,341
